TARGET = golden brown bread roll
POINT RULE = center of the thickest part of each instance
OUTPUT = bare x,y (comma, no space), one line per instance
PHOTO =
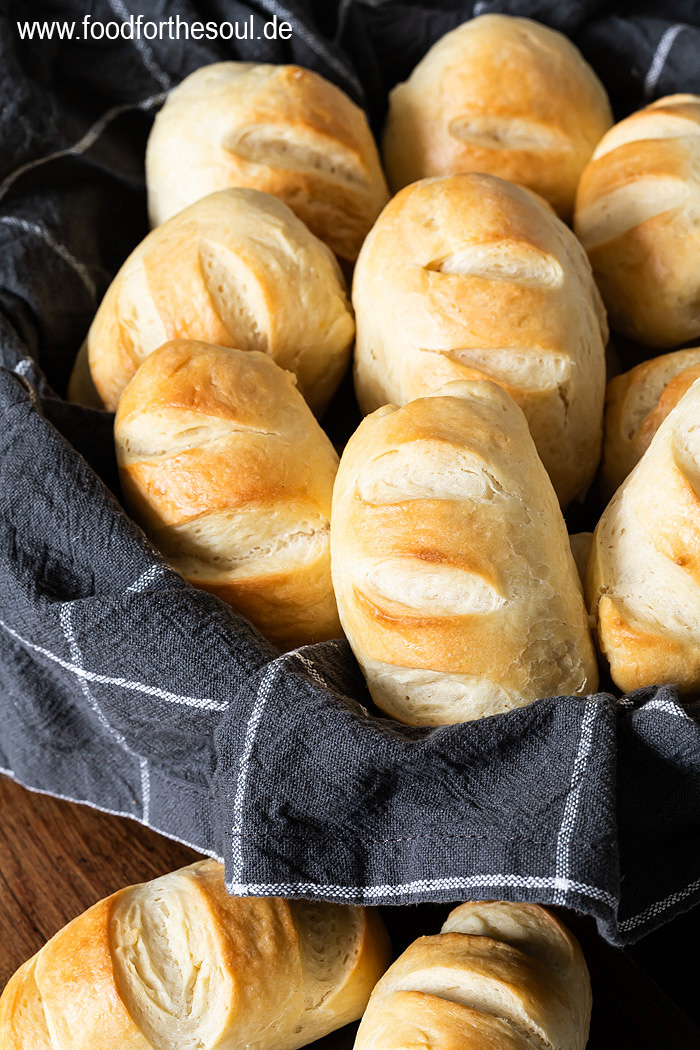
236,269
502,95
636,404
635,214
643,578
231,476
499,976
451,564
469,277
281,129
177,962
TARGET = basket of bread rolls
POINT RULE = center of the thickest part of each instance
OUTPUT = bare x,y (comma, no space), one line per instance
353,526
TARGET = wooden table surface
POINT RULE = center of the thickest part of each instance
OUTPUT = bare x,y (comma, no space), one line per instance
57,858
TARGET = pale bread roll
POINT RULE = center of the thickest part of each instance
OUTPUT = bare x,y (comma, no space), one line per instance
469,277
281,129
500,976
503,95
455,581
636,215
636,404
235,269
643,579
177,962
225,467
580,543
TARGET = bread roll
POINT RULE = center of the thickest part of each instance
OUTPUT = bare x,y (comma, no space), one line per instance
643,579
281,129
636,404
451,564
231,476
580,543
502,95
81,389
469,277
500,976
177,962
236,269
636,213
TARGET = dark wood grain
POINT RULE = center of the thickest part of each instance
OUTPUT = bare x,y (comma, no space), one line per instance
58,858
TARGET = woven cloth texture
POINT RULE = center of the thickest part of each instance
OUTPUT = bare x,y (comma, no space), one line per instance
122,687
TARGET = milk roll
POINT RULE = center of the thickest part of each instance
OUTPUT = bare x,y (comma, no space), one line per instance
500,976
636,215
177,962
235,269
470,277
580,543
280,129
451,564
636,404
643,578
225,467
503,95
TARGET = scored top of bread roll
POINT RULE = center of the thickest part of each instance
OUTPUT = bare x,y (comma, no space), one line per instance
636,210
500,976
224,465
503,95
178,962
451,564
643,578
281,129
235,269
469,277
636,404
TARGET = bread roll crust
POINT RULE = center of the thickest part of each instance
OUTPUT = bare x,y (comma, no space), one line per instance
636,403
281,129
635,210
642,582
22,1018
455,582
235,269
501,95
580,543
178,962
500,976
414,1020
231,476
80,1014
469,277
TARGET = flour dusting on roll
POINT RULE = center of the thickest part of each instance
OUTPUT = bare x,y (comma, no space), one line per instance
281,129
235,269
470,277
451,564
231,476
